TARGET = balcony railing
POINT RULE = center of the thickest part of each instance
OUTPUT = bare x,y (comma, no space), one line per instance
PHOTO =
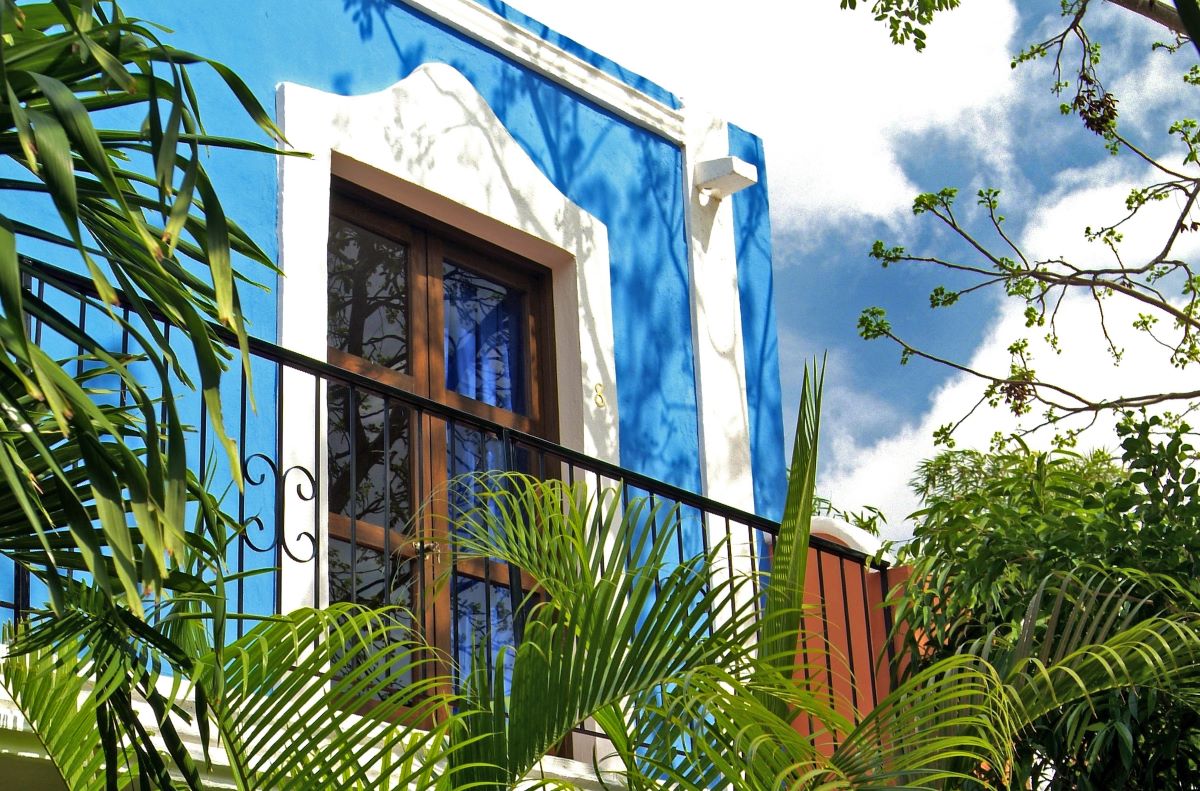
336,466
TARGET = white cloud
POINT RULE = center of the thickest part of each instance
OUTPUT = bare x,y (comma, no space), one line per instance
1094,197
828,93
1154,86
875,473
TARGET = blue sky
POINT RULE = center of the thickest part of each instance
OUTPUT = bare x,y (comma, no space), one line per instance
854,128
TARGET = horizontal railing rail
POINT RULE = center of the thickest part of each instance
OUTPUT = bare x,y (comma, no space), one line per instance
351,459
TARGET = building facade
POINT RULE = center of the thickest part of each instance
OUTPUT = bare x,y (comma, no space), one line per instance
498,250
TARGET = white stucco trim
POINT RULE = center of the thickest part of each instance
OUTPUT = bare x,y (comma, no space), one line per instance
719,354
432,143
724,412
476,22
24,761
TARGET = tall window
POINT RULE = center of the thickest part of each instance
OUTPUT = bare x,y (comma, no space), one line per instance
430,311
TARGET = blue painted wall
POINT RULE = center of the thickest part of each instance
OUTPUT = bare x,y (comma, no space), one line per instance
596,59
629,178
752,237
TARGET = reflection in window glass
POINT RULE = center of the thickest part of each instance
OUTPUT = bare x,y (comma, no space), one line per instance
483,620
359,574
369,465
485,357
368,295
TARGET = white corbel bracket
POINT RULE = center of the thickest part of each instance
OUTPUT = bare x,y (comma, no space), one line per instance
720,178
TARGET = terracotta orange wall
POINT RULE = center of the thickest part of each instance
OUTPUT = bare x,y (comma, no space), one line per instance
845,633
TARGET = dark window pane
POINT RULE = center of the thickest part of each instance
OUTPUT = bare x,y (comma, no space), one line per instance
368,295
359,574
369,463
485,355
483,616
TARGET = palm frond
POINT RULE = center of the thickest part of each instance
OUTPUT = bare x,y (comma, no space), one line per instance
88,679
160,236
344,697
785,588
625,621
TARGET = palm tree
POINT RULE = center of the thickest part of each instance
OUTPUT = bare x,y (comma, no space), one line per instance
695,683
74,468
696,687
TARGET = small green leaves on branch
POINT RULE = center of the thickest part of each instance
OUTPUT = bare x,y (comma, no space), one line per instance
934,202
905,18
886,255
990,258
873,323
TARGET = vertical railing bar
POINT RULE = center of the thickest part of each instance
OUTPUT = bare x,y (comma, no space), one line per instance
320,542
455,637
704,543
21,586
679,530
599,516
387,501
203,442
487,572
654,539
729,560
280,537
850,663
162,417
752,536
124,386
241,544
416,451
37,329
516,591
863,571
624,515
82,329
352,437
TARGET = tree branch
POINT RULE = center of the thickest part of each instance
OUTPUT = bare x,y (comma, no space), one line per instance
1082,405
1156,11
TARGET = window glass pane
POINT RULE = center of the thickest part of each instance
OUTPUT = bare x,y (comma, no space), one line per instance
368,295
483,620
369,469
358,573
8,580
485,355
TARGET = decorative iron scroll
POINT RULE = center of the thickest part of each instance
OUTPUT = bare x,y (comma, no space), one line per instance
306,491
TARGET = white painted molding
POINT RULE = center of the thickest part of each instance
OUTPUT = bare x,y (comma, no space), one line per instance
717,326
476,22
724,176
719,353
432,143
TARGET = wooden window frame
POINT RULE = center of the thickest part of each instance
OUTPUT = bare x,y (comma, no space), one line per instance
430,244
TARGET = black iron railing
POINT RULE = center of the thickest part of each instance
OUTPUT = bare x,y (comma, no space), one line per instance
337,465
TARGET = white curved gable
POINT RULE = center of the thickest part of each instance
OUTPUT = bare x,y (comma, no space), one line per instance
432,143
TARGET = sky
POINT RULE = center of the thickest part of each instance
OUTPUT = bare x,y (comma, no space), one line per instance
854,127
